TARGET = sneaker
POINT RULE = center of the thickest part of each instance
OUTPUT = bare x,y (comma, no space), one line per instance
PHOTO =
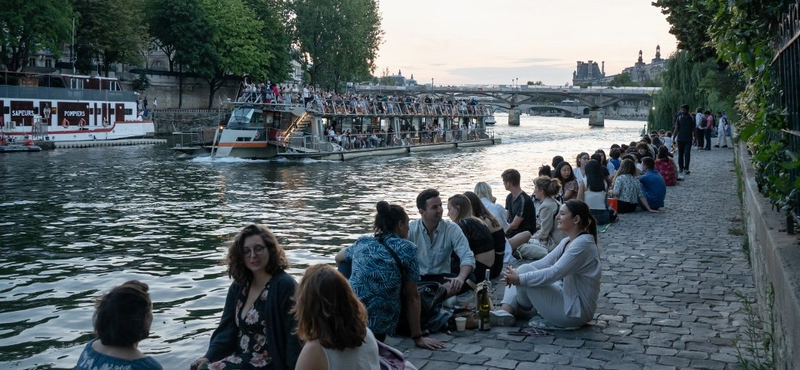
717,146
680,171
724,146
687,172
501,318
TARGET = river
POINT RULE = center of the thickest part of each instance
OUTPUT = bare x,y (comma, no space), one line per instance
76,222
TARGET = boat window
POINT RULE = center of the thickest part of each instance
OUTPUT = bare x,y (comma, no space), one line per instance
128,111
112,110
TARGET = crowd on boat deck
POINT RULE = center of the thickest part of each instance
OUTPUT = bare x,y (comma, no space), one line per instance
358,104
339,319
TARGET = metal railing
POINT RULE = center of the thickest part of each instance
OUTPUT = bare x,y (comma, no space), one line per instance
366,141
786,67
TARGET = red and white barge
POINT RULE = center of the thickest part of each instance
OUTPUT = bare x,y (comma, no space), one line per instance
60,107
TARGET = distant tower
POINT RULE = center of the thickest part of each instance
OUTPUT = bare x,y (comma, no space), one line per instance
640,56
603,69
658,51
400,73
412,76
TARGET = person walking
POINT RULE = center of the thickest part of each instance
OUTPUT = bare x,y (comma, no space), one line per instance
700,126
724,130
684,133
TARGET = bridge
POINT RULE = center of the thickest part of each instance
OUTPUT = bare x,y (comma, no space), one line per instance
513,98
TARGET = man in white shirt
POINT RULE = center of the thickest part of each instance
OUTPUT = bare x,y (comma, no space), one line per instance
436,241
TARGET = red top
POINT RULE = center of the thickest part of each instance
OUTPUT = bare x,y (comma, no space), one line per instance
668,170
28,142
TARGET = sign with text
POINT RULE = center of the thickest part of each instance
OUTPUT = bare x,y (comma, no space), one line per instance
73,113
22,112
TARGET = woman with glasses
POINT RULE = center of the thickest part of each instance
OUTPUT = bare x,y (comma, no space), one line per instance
257,329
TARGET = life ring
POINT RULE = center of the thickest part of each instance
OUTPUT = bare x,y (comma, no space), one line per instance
82,123
65,123
257,136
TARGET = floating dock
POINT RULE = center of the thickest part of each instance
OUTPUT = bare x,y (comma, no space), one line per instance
98,143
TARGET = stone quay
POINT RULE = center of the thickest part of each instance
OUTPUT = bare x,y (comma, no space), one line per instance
669,294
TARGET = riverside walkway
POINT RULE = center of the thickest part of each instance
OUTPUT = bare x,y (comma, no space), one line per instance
668,295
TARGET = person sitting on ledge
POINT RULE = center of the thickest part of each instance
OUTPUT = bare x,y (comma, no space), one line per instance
563,287
436,241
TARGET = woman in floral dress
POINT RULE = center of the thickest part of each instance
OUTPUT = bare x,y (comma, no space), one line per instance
257,327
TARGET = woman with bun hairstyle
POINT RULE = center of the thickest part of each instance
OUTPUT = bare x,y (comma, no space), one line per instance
376,279
547,235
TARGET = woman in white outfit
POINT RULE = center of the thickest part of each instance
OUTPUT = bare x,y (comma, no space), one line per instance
562,287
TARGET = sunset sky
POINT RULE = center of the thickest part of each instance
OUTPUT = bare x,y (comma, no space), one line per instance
492,42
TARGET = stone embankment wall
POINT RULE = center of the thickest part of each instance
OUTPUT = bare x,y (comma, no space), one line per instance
775,259
167,121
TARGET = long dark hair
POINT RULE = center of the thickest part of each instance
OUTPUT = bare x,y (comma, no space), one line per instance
571,173
595,180
387,218
581,209
479,210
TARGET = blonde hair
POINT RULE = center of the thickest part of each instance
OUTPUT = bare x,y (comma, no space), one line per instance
483,190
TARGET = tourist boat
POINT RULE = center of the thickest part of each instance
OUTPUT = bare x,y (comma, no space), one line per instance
60,107
341,130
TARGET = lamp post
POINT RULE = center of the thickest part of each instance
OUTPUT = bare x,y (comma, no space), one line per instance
431,83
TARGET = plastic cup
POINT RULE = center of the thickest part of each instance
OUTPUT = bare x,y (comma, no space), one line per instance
461,323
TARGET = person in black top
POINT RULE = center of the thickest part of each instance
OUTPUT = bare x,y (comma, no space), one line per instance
684,134
520,213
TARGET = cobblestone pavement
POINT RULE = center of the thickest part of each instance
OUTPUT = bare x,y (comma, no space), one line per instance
668,295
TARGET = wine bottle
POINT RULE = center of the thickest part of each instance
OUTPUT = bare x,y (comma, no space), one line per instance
484,306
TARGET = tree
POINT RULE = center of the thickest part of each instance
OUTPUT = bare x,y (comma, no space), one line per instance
181,29
275,18
338,38
622,79
237,46
29,26
109,32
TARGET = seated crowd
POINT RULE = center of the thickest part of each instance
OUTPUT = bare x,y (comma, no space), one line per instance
339,319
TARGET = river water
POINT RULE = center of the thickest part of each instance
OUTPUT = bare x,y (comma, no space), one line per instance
76,222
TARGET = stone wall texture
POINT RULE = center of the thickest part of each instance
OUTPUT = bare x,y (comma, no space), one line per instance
775,258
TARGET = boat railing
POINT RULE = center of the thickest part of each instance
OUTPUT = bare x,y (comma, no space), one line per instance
363,141
344,107
361,107
56,93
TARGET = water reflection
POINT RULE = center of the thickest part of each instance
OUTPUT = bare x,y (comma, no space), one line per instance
74,223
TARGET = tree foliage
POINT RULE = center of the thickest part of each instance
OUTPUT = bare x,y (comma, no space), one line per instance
622,79
741,33
274,16
237,46
338,38
109,32
29,26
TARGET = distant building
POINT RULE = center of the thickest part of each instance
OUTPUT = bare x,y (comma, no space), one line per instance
588,73
400,80
642,72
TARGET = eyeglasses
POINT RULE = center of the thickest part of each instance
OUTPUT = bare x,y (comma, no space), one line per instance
259,250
